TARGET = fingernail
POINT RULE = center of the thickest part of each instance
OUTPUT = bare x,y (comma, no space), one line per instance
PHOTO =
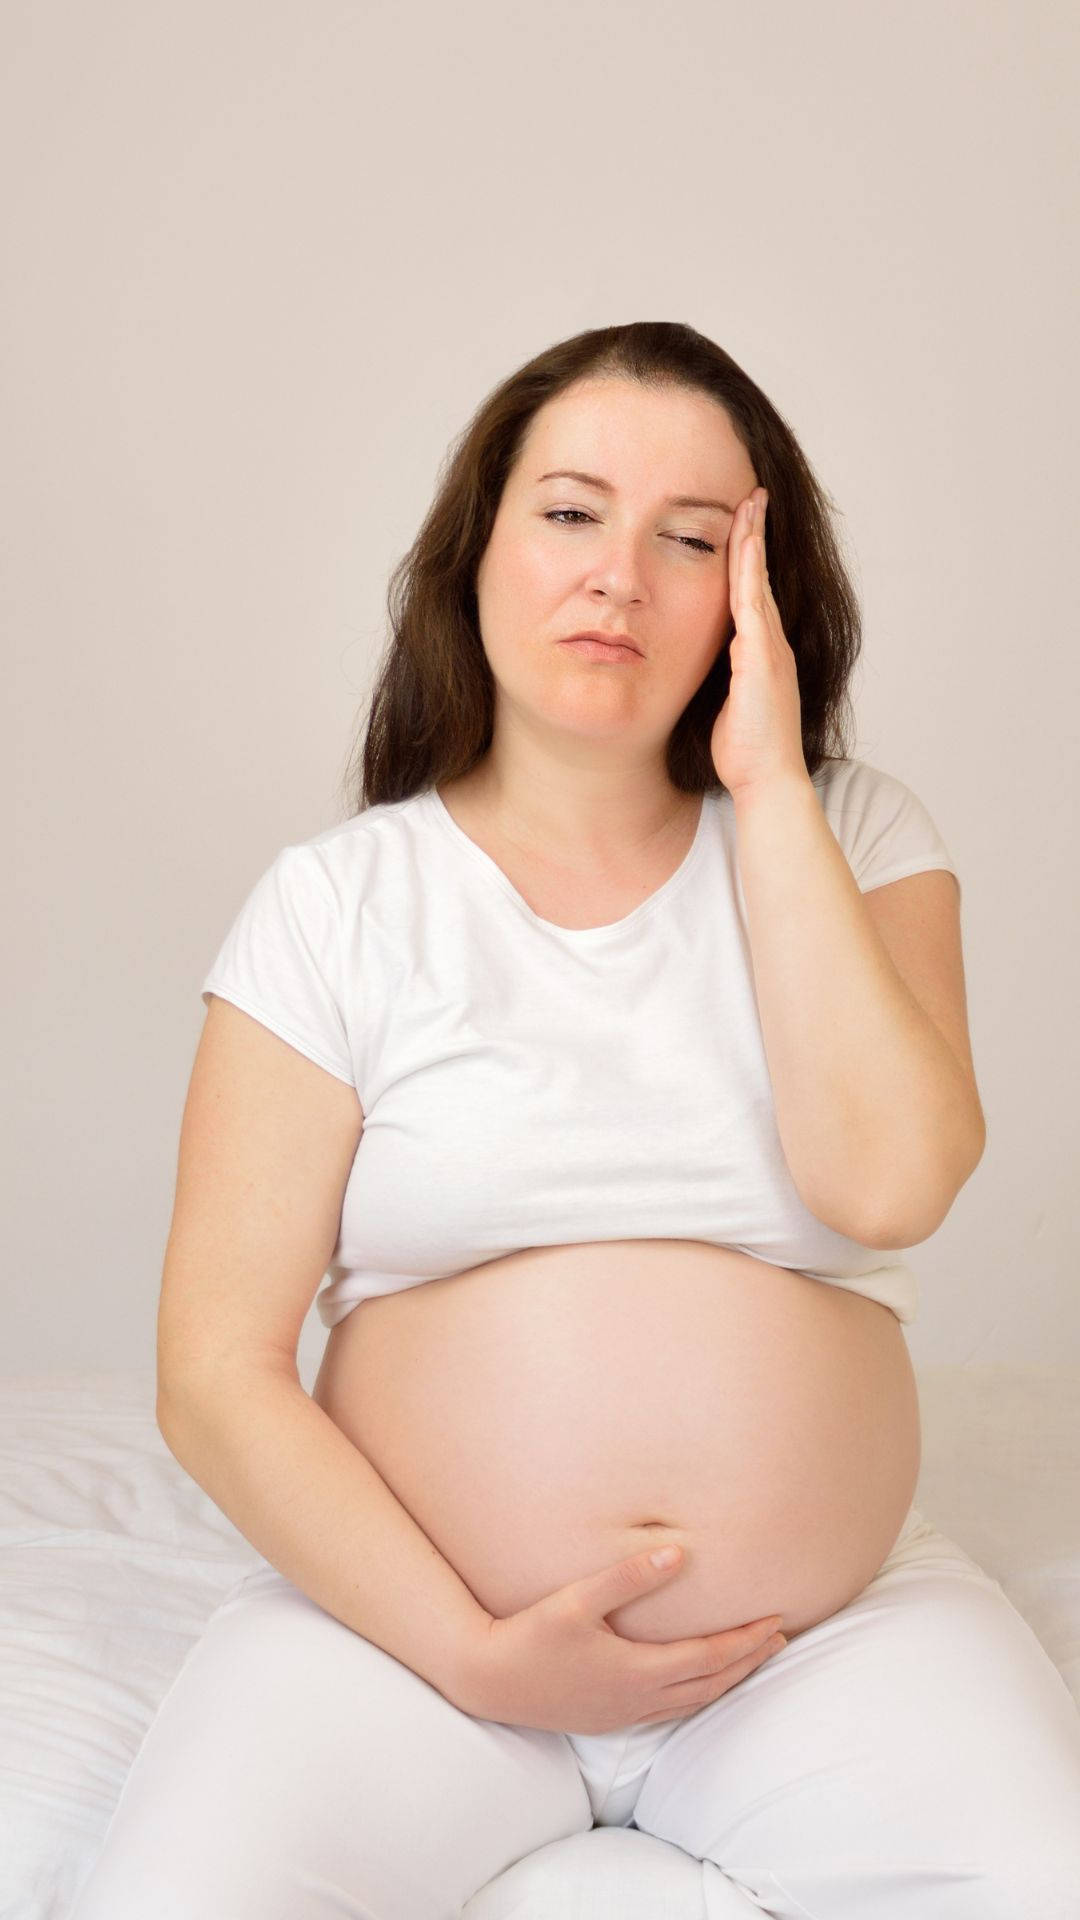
664,1556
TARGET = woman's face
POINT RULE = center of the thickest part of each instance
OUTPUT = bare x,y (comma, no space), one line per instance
623,559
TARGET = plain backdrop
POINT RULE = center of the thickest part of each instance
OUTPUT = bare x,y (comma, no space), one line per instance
260,264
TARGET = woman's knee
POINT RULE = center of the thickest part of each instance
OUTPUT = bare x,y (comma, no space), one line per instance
290,1755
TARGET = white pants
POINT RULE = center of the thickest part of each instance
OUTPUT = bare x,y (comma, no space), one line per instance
915,1756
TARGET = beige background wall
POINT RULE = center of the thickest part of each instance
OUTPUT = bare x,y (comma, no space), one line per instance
261,263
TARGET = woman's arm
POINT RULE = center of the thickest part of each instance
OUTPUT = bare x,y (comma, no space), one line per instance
314,1506
880,1122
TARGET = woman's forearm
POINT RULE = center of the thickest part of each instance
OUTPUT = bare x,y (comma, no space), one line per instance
317,1510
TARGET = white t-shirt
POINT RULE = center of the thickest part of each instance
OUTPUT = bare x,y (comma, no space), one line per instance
528,1085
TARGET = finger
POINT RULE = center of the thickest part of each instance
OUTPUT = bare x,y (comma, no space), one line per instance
753,580
703,1689
755,589
761,555
739,532
681,1661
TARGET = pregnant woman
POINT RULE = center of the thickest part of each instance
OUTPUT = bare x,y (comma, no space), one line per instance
602,1064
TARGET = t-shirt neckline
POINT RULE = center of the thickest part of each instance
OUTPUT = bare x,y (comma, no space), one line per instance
579,935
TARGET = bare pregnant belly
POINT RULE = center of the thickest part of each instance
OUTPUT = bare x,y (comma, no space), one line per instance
545,1415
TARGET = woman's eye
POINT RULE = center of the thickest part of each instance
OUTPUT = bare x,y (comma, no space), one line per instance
560,515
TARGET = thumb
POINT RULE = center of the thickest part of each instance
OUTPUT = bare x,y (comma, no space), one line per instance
602,1592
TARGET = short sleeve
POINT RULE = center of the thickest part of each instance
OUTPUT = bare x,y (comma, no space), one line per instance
882,826
281,960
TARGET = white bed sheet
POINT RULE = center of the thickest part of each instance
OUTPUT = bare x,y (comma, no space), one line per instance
112,1560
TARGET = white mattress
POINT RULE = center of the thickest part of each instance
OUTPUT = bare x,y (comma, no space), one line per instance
112,1559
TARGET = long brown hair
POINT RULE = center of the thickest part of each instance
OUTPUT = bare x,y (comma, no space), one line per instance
431,712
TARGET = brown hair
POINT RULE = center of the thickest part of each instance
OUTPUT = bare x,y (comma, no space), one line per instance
431,713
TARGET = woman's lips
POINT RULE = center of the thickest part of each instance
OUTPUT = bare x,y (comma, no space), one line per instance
600,650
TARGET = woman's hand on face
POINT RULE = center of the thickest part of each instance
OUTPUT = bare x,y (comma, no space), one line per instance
757,735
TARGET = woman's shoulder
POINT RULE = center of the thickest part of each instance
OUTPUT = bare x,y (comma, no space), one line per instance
883,826
386,824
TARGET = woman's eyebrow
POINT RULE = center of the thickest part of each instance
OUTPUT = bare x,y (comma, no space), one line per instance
605,486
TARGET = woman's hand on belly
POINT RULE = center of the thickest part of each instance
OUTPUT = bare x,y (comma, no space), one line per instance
558,1665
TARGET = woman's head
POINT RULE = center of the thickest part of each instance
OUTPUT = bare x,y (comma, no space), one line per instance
492,584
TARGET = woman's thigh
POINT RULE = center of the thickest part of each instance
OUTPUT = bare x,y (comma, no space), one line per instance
916,1756
295,1770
